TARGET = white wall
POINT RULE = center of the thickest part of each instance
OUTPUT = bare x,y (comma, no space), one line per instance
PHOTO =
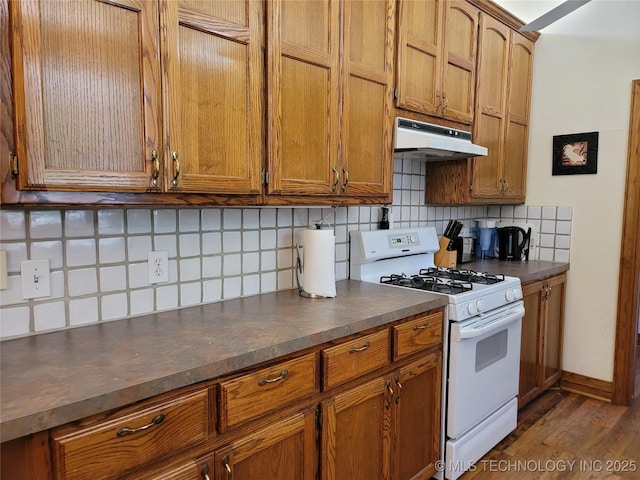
584,65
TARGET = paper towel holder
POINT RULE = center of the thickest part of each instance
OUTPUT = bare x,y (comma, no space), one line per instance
301,291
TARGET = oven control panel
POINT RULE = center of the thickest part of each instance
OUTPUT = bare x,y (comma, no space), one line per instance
404,240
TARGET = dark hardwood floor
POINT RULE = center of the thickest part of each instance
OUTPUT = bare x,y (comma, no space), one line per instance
567,436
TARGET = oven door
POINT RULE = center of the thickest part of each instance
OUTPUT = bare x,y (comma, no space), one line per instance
484,366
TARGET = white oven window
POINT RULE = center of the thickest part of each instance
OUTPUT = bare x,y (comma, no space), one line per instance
491,349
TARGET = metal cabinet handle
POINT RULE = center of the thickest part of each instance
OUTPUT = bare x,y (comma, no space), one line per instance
124,431
264,380
205,472
399,390
336,175
176,162
156,168
225,463
345,182
361,349
421,327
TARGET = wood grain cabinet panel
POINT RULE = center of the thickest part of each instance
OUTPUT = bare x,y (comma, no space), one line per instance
329,128
112,447
264,390
139,96
437,49
416,335
541,346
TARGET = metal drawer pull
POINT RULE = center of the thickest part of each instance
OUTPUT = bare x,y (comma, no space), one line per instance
361,349
225,463
265,380
205,473
124,431
421,327
156,168
174,182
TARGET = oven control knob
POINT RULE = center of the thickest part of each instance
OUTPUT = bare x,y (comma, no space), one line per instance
472,308
413,238
510,295
481,305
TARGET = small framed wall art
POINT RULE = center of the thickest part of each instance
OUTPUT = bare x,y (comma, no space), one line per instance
575,153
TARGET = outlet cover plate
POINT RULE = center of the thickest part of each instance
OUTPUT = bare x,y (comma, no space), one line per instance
36,278
158,264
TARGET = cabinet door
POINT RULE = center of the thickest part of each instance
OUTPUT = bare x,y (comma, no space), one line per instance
213,96
356,433
517,127
529,385
87,94
458,75
489,125
552,339
418,389
366,132
420,39
303,100
285,450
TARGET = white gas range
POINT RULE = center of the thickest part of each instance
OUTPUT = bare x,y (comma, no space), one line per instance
481,346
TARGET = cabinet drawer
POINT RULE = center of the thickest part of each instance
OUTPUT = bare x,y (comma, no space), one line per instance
416,335
259,392
351,359
112,447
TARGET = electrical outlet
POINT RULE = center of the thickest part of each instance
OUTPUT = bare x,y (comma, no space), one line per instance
158,264
36,278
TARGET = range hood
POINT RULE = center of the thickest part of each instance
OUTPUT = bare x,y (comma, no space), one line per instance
428,142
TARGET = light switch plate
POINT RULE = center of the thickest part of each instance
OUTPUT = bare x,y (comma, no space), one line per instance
36,278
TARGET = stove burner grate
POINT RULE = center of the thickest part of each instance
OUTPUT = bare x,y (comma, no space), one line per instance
428,283
470,276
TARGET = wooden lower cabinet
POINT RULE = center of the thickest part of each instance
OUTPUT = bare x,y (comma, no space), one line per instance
542,326
380,422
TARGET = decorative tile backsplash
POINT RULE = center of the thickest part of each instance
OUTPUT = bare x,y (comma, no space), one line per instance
98,256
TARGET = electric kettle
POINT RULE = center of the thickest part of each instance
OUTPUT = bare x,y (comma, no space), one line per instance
513,243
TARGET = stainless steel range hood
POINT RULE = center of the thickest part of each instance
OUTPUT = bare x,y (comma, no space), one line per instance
428,142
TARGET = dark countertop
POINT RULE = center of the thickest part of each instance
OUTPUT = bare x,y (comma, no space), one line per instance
54,378
527,271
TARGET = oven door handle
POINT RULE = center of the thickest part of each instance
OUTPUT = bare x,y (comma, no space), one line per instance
514,314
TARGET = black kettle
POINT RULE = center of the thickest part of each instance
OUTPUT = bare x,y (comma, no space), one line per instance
513,243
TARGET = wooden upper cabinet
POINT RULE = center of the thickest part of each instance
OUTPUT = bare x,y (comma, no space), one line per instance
86,94
437,45
213,100
502,121
329,120
138,96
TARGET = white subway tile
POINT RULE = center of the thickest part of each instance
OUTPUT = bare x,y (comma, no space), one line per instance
534,212
563,227
12,225
14,321
49,316
562,256
232,264
341,270
81,252
520,211
141,301
83,311
110,222
548,226
173,270
231,241
58,283
547,240
211,219
353,214
563,241
285,279
251,218
12,295
138,248
78,223
251,241
16,253
83,281
189,245
188,220
232,218
211,243
190,294
302,217
546,254
138,275
285,238
250,285
166,243
167,297
114,306
211,267
341,252
250,262
548,213
112,249
113,278
268,260
49,249
45,224
268,217
507,211
232,287
341,216
138,221
164,221
189,269
212,290
285,259
268,282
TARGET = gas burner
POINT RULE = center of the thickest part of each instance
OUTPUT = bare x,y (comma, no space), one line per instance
395,279
487,278
464,275
441,285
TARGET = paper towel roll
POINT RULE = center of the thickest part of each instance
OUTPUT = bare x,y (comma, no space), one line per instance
318,264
